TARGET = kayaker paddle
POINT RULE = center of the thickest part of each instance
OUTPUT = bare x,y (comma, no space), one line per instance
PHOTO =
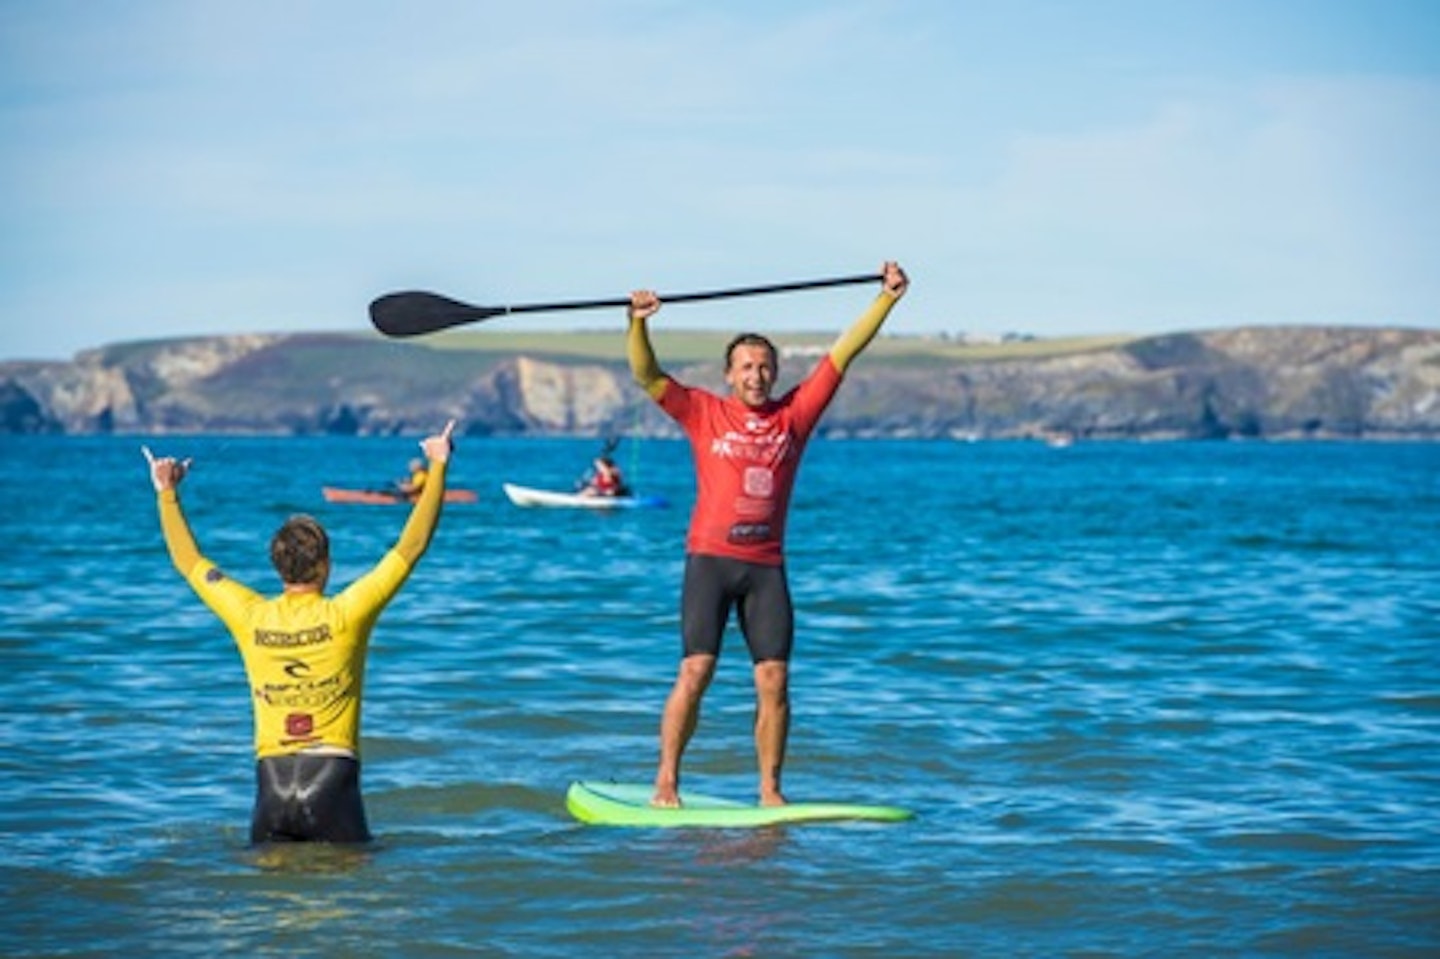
414,313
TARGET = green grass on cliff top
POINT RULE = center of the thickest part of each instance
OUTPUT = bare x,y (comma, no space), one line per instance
701,346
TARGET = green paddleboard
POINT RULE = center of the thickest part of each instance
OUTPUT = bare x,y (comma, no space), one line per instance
628,804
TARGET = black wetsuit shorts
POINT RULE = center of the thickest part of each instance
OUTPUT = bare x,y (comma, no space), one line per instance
307,798
761,594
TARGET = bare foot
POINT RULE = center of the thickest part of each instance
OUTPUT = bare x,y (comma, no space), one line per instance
665,797
772,798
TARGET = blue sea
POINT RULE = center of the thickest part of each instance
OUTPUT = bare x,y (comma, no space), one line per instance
1175,699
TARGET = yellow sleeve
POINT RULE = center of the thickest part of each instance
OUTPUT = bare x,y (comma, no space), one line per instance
179,540
424,516
226,598
367,596
364,599
862,331
641,355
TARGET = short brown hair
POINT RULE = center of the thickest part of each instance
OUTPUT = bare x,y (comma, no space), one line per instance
300,550
753,339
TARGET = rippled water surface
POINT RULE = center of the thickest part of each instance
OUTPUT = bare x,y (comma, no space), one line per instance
1145,699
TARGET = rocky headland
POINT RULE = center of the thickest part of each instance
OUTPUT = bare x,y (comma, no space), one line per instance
1251,382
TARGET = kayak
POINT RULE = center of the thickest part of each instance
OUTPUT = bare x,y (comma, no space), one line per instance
380,497
528,496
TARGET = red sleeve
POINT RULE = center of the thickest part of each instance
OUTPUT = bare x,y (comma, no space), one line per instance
813,395
675,401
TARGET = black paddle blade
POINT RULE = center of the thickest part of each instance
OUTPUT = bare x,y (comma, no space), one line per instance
414,313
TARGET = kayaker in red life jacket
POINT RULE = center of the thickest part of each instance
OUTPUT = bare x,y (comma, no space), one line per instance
604,479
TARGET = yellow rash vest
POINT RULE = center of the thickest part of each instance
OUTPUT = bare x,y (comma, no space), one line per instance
304,652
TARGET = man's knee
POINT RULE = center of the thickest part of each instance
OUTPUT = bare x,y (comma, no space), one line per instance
772,680
696,673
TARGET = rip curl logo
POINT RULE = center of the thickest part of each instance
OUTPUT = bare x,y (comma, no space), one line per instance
756,424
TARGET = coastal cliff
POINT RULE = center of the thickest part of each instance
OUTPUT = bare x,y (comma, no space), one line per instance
1252,382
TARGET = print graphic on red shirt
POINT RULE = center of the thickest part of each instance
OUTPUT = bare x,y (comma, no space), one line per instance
746,461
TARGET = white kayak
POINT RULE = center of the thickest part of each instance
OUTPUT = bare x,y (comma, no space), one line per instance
528,496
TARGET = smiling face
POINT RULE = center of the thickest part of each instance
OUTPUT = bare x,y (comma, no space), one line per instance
751,371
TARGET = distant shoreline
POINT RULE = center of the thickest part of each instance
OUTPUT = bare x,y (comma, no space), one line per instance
1331,383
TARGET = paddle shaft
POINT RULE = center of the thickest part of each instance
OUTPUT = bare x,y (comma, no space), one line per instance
414,312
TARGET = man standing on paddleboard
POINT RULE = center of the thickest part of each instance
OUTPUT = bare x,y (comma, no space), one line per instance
304,654
746,447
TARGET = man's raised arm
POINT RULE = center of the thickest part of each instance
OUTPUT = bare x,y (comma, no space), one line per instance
425,515
643,365
863,330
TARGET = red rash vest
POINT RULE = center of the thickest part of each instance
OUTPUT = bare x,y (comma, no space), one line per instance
746,461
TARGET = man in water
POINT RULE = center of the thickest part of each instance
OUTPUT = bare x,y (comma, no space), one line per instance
304,654
747,448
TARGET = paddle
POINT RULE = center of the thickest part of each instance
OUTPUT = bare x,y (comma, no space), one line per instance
413,313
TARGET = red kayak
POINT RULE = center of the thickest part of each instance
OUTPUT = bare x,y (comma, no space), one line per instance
380,497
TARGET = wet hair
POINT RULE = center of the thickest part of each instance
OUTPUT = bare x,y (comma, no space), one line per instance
753,339
299,551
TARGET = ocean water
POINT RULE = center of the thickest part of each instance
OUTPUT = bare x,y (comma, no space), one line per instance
1178,699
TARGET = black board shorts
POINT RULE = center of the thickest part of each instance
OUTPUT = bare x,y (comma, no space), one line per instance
308,798
761,595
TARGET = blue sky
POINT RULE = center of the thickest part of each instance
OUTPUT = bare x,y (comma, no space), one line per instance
179,167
